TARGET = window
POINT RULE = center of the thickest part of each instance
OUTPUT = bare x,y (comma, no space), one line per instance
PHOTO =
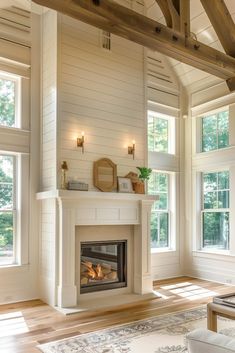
14,164
7,208
215,131
215,210
161,133
8,100
106,40
159,185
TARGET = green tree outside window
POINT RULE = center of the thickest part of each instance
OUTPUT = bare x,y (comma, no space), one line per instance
157,134
6,208
7,102
215,131
158,185
215,214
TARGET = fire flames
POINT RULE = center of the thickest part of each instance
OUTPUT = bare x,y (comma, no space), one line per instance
94,272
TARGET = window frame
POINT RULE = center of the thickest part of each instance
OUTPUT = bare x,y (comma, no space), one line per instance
214,210
170,210
18,90
200,129
14,209
16,141
171,129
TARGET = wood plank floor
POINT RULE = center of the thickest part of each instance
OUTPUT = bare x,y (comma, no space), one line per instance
24,325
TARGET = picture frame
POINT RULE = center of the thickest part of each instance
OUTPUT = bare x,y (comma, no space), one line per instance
125,185
105,175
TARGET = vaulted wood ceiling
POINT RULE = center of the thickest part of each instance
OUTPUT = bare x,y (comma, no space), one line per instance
188,55
201,26
174,39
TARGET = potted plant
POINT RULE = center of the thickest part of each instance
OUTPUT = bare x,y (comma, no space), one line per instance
144,175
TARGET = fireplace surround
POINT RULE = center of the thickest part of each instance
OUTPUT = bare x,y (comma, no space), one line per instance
64,212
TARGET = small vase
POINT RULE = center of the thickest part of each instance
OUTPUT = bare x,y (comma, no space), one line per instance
63,179
139,187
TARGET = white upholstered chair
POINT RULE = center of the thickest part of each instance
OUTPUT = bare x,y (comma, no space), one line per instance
205,341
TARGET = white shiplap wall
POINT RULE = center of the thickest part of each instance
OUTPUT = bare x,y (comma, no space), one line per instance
17,46
47,272
49,100
102,93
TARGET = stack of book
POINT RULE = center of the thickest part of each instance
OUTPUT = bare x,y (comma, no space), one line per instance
77,185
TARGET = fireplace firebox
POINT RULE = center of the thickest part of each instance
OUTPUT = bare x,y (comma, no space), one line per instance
103,265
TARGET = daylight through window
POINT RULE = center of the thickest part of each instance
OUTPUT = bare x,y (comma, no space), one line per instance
159,185
7,101
215,212
7,209
215,131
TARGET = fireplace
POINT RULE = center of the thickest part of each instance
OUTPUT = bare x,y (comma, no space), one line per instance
103,265
77,217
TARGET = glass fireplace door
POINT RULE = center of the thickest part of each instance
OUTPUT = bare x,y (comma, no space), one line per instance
102,265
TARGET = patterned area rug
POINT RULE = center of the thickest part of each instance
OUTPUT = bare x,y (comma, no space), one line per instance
161,334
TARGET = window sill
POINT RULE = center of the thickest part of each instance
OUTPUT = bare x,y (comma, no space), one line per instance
205,154
163,250
14,268
215,255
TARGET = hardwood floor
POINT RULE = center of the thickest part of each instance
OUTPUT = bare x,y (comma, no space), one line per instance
25,325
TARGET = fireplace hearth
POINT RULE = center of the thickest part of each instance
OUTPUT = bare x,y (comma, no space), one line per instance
103,265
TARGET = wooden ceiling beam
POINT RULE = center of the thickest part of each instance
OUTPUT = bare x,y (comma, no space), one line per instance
169,9
222,23
126,23
185,17
166,12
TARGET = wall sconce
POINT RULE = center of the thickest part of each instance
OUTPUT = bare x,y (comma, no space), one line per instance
131,149
81,141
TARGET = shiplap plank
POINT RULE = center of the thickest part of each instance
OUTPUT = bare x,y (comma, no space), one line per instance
97,101
94,43
49,58
105,64
76,74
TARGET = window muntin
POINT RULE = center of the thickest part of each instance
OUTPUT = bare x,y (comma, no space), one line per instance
159,185
8,101
215,131
215,210
7,208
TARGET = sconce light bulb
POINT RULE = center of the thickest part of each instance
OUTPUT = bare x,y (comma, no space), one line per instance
133,141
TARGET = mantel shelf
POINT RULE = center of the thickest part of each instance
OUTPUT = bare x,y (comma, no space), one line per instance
76,195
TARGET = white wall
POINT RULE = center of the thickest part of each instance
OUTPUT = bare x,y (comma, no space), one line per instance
49,100
16,50
102,94
212,266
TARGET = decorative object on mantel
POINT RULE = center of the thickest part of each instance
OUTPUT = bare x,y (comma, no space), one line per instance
124,185
143,176
105,175
77,185
81,141
64,169
131,149
134,179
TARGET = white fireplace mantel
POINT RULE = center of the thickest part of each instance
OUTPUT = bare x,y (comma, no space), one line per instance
99,208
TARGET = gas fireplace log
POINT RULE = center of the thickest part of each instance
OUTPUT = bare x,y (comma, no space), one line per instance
84,280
